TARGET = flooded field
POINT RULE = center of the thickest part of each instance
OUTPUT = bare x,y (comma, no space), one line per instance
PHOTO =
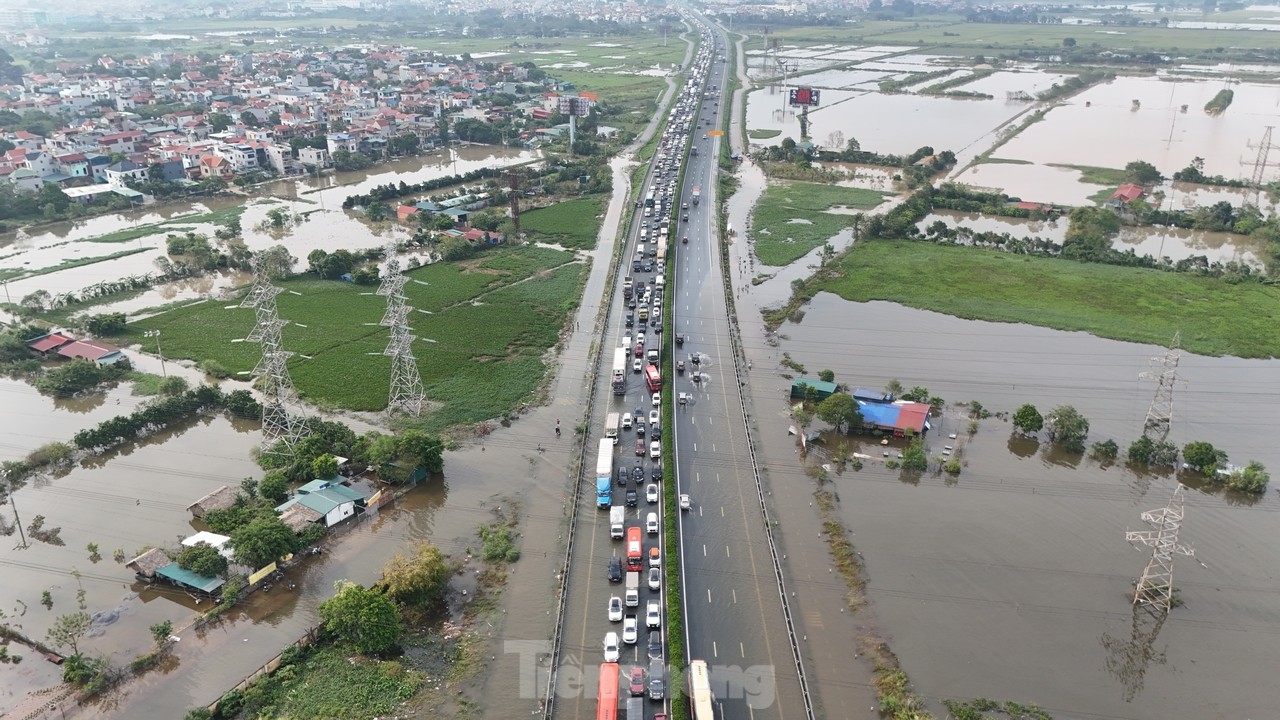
322,224
1173,243
1156,129
1014,580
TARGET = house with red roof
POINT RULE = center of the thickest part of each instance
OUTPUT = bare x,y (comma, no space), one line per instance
91,350
47,344
1124,195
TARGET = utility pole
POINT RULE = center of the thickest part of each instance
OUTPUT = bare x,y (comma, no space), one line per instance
13,504
156,334
1165,373
1155,587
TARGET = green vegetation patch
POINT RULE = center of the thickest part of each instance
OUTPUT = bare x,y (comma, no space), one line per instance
572,223
330,683
225,216
1004,161
791,218
495,315
134,233
1097,175
763,134
1122,303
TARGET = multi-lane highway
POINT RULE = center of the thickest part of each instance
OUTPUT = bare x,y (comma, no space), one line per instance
731,601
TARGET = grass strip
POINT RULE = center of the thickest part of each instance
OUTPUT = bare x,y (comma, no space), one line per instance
791,219
18,273
1122,303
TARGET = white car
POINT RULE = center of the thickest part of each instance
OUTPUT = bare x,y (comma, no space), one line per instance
611,650
651,523
626,421
637,365
630,629
685,502
655,449
653,417
655,579
652,616
657,399
640,336
615,609
651,493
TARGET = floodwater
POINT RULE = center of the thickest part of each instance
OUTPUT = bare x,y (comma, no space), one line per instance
1157,130
1013,580
1173,243
321,223
1033,183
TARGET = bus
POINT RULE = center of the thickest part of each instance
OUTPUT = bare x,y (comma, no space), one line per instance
607,693
653,378
635,549
648,199
701,701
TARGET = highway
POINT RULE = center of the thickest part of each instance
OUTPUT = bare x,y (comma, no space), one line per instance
734,612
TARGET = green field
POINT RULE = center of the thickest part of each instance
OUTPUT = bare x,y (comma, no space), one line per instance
1111,177
571,224
1134,304
494,318
951,34
791,218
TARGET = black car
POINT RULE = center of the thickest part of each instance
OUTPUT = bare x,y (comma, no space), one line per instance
635,266
622,477
679,339
655,432
648,267
632,497
637,472
631,319
631,302
655,472
615,576
655,638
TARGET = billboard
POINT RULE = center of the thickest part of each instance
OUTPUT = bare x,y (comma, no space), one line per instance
804,96
574,105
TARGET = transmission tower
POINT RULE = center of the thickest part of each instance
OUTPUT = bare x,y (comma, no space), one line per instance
1165,373
1156,585
407,394
513,182
1260,164
282,414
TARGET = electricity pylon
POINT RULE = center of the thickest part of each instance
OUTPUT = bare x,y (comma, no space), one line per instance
1165,373
283,418
1156,584
407,394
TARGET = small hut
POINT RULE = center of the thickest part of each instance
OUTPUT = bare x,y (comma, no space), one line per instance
299,516
146,564
220,499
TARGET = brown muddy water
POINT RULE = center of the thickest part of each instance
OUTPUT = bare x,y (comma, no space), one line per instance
1013,580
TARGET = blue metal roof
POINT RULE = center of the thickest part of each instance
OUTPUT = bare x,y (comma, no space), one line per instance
882,414
185,577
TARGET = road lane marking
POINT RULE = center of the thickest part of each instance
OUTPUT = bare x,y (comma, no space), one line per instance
715,651
708,596
735,595
742,650
726,551
721,511
704,550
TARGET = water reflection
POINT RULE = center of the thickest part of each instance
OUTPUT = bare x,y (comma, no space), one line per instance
1128,658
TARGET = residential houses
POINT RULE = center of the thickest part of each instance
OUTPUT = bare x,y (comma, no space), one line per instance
241,120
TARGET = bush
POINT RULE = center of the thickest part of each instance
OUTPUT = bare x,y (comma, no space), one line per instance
952,466
1105,450
215,369
202,559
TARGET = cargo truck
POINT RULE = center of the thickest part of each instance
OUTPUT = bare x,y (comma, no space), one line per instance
697,194
632,596
611,428
604,475
617,516
620,371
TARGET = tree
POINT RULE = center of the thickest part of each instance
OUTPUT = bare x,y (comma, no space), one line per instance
1203,457
1146,451
827,375
37,301
277,261
1068,42
839,410
913,458
417,580
160,633
1067,427
106,323
1142,173
325,466
1027,419
203,559
274,486
263,541
68,630
366,618
249,119
218,122
1105,450
893,387
1251,479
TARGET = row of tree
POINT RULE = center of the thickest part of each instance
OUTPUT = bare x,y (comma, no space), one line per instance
162,412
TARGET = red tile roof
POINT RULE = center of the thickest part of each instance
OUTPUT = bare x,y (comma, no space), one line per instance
49,342
87,349
913,415
1127,192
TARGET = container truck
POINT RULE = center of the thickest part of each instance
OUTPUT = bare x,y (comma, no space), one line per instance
604,475
620,371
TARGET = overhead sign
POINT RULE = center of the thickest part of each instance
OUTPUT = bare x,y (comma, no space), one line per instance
715,133
804,96
574,105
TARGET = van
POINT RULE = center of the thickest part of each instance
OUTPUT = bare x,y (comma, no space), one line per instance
632,596
635,708
611,427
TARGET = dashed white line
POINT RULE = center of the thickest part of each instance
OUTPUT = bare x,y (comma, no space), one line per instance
708,596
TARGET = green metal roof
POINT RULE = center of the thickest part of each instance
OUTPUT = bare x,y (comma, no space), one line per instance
185,577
